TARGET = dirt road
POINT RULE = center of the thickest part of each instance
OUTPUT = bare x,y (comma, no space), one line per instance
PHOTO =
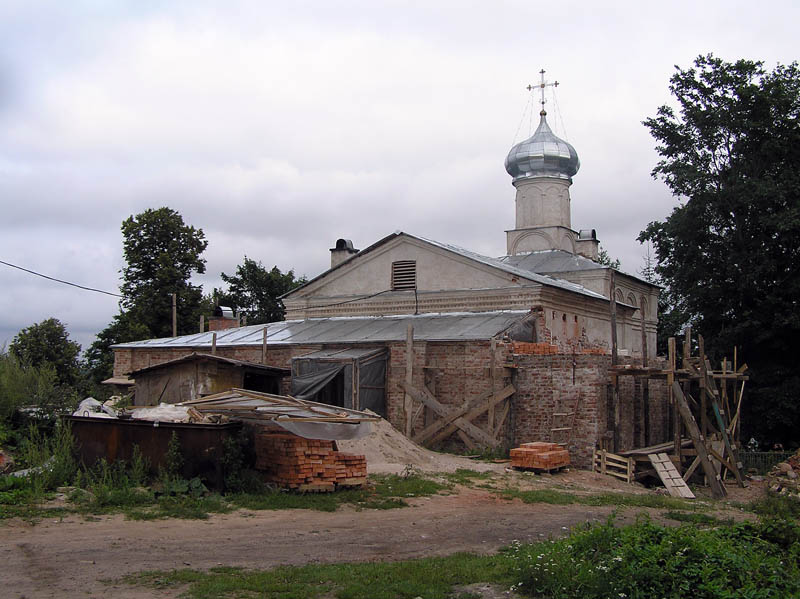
74,557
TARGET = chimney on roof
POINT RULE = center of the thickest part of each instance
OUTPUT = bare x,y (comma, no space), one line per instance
343,250
223,318
587,245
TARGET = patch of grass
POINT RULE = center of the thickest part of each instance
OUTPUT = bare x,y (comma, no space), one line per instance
695,518
779,506
646,560
432,578
466,477
597,499
182,506
383,492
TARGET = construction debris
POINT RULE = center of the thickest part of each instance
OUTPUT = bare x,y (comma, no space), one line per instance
539,455
314,465
307,419
784,478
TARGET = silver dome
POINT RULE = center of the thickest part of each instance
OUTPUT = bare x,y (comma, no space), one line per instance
542,155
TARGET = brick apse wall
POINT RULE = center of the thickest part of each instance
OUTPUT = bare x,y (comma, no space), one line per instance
546,381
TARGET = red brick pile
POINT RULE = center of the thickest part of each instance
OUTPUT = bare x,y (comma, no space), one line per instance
539,455
293,462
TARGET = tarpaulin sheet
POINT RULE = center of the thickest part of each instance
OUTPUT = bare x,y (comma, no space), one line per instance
327,431
306,386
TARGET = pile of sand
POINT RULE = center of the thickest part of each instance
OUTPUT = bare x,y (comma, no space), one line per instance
388,451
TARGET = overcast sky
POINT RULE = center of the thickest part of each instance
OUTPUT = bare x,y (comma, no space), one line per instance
279,127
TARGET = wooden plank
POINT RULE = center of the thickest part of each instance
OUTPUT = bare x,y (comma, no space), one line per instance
493,376
407,402
425,397
465,411
479,409
717,488
502,420
466,440
670,476
688,474
264,346
735,469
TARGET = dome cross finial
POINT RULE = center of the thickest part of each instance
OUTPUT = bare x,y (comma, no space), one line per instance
542,85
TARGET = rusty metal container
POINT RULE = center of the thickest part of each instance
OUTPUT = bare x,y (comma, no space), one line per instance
202,445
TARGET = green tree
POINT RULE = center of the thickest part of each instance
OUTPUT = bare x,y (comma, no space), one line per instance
253,291
47,343
729,253
161,254
604,258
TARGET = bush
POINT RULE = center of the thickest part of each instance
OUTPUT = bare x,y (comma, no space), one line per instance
645,560
23,385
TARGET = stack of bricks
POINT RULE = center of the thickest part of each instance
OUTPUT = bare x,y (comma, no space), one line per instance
302,464
539,455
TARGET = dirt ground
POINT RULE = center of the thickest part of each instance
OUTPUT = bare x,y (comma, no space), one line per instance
78,557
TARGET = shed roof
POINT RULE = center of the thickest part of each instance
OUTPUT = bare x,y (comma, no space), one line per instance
195,356
456,326
349,353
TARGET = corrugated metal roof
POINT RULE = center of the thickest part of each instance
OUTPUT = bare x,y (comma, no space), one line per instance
551,261
341,354
556,261
493,262
459,326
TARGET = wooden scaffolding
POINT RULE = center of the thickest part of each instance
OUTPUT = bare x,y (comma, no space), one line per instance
705,421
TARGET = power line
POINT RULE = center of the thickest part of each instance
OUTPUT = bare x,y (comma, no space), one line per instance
38,274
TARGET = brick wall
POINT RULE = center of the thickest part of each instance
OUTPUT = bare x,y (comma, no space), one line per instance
551,382
547,381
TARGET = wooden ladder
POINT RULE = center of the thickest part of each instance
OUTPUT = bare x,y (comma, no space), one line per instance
669,475
565,432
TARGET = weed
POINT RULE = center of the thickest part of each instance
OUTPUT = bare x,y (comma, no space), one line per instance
465,477
780,506
694,518
646,560
433,578
173,458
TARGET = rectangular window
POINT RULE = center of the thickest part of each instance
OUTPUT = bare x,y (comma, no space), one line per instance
404,275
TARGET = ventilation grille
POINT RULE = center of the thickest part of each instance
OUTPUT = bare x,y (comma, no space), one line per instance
404,274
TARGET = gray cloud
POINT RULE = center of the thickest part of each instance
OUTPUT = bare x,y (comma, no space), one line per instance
279,127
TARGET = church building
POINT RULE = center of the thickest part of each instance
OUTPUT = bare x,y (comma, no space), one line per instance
461,350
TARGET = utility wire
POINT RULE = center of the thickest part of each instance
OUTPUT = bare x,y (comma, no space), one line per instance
38,274
358,299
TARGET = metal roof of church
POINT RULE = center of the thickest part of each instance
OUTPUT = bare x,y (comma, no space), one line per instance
543,279
545,261
456,326
557,261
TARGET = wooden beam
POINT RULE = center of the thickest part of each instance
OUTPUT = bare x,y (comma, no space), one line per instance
714,481
213,343
492,376
407,402
469,411
473,431
688,474
502,420
264,345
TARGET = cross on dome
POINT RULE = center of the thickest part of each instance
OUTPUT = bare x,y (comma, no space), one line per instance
542,85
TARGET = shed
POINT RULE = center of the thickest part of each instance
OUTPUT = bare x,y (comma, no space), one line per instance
196,375
352,378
